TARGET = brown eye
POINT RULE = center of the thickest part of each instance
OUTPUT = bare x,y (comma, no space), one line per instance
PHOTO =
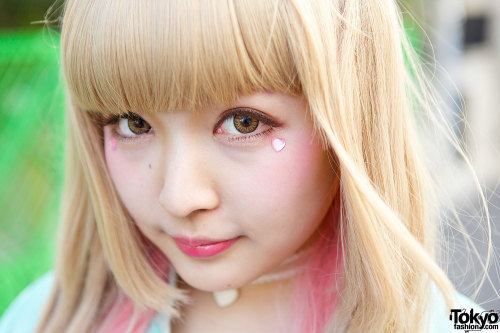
245,123
137,125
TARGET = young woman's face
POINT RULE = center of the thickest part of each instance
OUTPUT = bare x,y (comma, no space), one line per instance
213,193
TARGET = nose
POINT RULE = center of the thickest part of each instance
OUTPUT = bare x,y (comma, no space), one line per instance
188,184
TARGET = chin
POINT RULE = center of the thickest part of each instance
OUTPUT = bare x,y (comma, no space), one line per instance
215,283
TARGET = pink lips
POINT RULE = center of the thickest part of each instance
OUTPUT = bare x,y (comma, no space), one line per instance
203,248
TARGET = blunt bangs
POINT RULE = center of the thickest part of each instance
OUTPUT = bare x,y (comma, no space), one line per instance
157,55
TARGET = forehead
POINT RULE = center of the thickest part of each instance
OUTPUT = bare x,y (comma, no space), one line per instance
157,55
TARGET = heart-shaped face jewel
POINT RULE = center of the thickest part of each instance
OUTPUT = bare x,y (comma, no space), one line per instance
113,143
278,144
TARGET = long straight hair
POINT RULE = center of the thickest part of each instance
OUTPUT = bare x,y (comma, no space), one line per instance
345,57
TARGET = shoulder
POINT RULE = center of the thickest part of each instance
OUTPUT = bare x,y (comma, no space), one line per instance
24,312
441,318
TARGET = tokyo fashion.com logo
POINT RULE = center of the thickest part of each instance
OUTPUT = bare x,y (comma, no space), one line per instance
474,321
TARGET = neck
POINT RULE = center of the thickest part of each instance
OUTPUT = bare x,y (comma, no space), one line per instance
254,310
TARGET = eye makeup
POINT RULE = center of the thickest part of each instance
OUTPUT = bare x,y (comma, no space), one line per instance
241,125
129,127
249,112
236,125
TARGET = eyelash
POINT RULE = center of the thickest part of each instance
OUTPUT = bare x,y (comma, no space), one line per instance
246,111
113,120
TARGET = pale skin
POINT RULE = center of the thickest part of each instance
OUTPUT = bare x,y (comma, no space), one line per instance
193,176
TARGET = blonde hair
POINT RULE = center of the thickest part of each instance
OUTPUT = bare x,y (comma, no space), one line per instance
346,57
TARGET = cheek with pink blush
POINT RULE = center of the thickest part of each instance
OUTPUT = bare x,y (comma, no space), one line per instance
300,161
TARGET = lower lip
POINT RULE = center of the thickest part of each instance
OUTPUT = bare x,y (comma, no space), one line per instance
205,251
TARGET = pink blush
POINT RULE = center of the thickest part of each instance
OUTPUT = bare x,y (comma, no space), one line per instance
113,143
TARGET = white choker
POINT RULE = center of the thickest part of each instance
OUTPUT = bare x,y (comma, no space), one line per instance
288,268
227,297
223,298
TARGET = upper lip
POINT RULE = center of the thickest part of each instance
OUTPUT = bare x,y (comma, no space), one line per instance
199,241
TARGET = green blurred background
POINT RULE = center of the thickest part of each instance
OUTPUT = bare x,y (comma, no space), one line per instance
31,143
